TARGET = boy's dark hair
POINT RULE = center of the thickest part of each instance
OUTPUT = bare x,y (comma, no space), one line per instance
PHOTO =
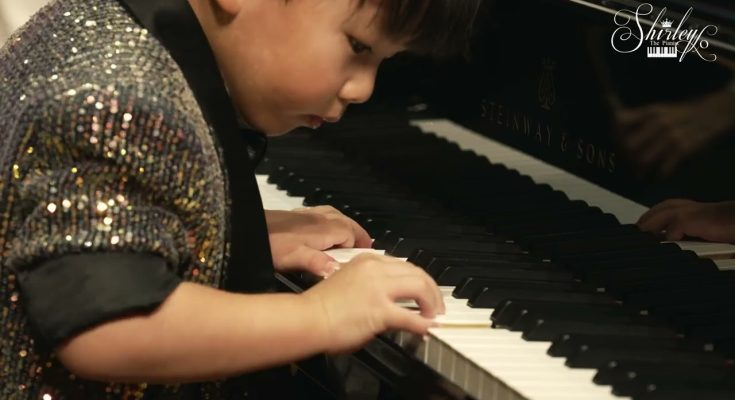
437,28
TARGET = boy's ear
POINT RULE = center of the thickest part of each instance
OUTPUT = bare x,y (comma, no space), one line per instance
229,7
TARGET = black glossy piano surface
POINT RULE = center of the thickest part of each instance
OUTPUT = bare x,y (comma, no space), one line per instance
654,321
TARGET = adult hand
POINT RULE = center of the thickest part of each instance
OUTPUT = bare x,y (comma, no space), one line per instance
678,218
658,137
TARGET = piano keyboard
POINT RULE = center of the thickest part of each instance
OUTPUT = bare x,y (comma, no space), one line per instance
662,52
486,363
540,309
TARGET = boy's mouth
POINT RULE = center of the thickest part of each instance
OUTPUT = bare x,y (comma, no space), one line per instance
315,121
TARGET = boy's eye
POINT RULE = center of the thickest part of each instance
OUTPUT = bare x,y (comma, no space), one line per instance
357,46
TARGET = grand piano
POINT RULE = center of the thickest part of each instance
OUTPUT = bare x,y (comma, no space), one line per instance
514,177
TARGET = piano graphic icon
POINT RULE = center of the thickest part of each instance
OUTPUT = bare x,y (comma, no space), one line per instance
662,52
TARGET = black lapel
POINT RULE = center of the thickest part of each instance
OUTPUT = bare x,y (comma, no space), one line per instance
173,22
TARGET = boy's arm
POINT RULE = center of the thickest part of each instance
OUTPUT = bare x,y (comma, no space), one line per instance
199,333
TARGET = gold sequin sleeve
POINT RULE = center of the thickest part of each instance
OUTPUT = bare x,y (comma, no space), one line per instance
100,172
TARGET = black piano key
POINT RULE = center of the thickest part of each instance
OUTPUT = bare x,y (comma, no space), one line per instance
698,287
593,356
471,285
395,204
399,224
630,377
489,297
408,246
419,215
425,257
616,371
629,275
676,283
624,287
518,210
660,250
644,378
596,232
453,275
682,392
529,321
527,231
302,187
283,175
591,244
440,267
546,330
612,263
392,239
530,214
519,259
568,343
510,310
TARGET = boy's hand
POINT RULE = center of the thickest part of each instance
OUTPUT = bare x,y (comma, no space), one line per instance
709,221
298,238
359,301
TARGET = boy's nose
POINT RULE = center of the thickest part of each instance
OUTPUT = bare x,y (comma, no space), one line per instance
359,88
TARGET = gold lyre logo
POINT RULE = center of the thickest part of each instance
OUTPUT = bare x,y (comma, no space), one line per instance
546,85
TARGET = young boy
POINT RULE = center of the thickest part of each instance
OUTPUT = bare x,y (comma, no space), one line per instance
131,222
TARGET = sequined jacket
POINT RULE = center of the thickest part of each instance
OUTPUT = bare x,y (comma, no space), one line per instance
117,141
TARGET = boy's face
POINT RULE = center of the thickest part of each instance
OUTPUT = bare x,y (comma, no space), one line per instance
301,62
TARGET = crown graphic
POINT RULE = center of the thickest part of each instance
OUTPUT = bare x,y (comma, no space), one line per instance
667,23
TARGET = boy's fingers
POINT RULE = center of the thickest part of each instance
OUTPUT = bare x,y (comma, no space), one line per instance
312,260
358,237
401,271
400,268
406,320
418,289
362,237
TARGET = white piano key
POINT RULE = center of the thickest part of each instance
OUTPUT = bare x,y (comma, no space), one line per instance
523,365
726,265
274,198
709,249
345,255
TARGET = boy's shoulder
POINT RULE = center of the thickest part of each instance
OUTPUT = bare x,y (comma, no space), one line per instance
78,55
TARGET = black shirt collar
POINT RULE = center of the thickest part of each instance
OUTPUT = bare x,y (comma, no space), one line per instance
175,25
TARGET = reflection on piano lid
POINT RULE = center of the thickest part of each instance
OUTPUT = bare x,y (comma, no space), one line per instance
550,83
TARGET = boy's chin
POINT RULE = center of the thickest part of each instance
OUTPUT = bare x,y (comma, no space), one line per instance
284,128
272,129
279,130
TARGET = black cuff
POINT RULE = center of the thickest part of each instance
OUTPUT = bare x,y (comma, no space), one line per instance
67,295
